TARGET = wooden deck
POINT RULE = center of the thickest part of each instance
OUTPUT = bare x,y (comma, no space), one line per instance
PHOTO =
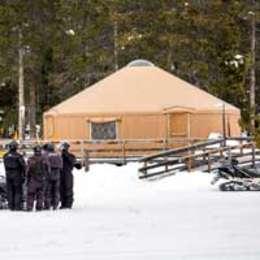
121,151
159,157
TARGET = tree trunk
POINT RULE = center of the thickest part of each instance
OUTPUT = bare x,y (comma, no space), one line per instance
252,70
115,27
21,104
32,111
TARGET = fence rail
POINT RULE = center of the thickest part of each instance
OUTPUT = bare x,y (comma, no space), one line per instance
121,149
203,154
159,156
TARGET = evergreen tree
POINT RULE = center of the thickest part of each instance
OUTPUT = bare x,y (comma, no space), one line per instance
69,45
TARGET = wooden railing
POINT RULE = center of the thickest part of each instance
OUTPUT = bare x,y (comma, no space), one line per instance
158,156
195,156
122,150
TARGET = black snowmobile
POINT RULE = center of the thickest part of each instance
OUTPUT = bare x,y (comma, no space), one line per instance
235,178
3,193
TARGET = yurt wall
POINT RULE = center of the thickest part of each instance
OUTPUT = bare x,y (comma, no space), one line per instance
127,126
202,124
143,126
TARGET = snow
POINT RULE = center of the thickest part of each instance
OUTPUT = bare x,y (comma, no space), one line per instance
215,135
238,56
251,13
70,32
218,136
117,216
236,62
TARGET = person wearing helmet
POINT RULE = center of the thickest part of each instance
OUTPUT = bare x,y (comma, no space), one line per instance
45,149
52,192
15,166
36,172
66,185
45,154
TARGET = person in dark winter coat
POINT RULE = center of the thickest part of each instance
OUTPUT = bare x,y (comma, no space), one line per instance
52,192
37,172
15,174
66,185
45,155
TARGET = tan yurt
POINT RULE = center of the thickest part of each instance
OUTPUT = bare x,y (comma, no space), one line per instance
140,102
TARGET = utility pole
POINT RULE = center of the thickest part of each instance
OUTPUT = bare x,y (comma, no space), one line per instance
21,104
252,70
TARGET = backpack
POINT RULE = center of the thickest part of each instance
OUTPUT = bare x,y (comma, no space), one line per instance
37,168
11,162
55,161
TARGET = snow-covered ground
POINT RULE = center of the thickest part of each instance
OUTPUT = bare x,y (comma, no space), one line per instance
118,216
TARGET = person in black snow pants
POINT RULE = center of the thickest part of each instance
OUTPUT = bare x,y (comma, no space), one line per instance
52,192
45,155
37,172
15,175
66,185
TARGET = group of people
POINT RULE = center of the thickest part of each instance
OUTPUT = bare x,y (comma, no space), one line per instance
46,178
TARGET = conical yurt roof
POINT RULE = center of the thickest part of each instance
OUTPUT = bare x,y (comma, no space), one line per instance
140,87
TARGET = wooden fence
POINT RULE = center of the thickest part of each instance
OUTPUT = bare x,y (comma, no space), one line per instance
200,156
159,156
120,151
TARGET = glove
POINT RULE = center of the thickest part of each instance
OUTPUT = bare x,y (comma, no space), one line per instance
78,165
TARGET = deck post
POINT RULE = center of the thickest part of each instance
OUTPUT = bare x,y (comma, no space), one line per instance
253,154
189,161
241,147
166,164
221,152
203,156
86,160
145,171
124,151
229,154
209,162
82,148
189,164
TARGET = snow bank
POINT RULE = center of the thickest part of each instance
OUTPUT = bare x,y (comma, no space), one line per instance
108,184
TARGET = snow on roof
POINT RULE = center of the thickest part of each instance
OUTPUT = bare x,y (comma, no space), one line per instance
140,63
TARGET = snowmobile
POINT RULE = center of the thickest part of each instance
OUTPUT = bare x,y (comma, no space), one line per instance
3,193
236,178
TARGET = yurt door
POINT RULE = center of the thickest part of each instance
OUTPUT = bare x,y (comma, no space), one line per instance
179,125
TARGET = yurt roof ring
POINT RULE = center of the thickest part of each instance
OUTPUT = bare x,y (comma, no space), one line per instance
140,63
